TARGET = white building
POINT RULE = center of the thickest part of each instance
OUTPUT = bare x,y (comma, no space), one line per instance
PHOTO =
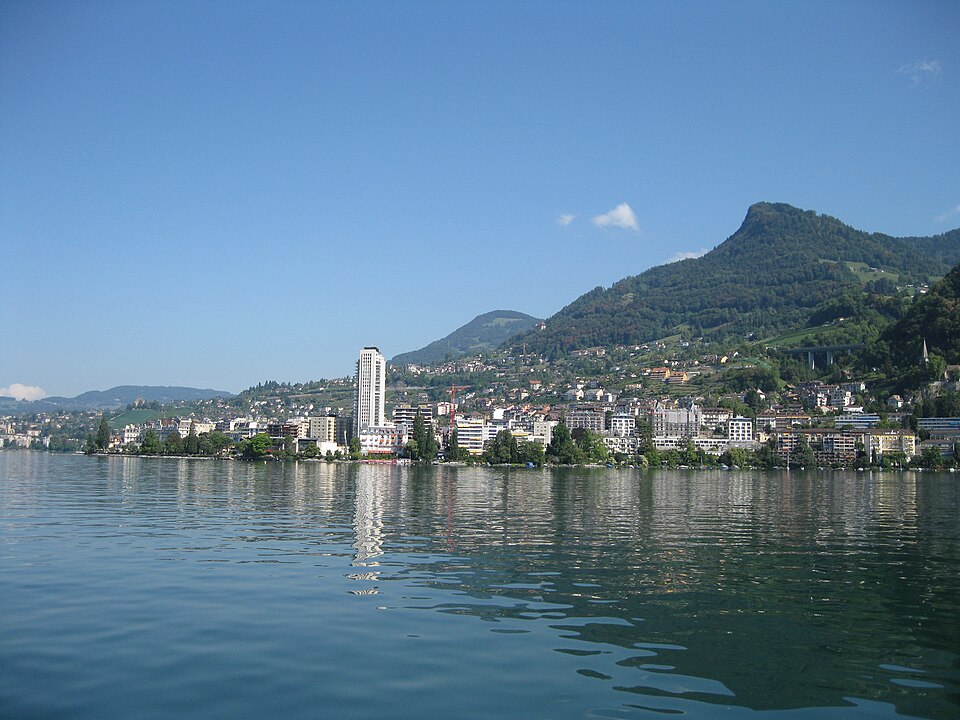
543,431
323,446
623,425
474,434
369,410
740,430
199,426
682,422
382,439
132,434
586,418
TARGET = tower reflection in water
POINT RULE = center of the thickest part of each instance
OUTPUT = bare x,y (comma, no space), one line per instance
368,528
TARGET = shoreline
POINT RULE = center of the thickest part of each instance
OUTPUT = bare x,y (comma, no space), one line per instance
405,462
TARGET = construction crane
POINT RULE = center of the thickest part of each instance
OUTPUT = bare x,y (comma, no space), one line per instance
453,405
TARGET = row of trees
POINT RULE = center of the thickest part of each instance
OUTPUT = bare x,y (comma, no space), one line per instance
566,447
802,456
208,444
505,449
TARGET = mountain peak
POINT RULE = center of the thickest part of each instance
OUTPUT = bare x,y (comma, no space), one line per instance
482,334
768,277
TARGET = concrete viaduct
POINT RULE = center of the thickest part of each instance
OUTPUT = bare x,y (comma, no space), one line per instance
829,350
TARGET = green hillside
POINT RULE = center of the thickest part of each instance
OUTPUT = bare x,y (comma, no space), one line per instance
783,269
134,417
934,318
480,335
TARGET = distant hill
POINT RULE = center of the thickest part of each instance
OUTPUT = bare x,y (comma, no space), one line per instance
482,334
781,268
113,398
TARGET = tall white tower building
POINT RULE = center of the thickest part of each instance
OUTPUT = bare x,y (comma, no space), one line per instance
371,389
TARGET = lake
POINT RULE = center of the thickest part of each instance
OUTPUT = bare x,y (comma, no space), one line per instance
159,588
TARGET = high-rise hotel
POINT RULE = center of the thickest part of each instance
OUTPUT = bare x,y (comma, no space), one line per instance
368,408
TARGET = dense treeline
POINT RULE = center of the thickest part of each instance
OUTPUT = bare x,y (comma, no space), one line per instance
934,319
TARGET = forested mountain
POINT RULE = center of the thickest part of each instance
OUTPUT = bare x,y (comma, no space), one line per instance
482,334
783,267
934,318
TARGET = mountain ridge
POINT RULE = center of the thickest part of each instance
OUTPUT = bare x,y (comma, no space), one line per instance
482,334
112,398
770,276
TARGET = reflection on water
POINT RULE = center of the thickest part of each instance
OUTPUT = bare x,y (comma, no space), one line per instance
597,592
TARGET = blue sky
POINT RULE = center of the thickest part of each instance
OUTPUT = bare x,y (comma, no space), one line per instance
219,193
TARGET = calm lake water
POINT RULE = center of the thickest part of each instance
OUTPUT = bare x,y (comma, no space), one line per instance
155,588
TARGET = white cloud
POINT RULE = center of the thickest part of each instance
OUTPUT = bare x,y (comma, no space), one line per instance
921,70
621,216
23,392
688,255
947,215
565,219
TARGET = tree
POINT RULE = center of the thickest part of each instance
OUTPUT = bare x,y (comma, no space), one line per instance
936,367
767,455
754,400
173,445
502,449
423,443
652,457
150,445
255,447
562,449
896,459
355,448
931,458
191,445
102,440
411,450
802,455
645,433
287,445
213,443
736,457
430,447
531,452
690,456
591,445
455,453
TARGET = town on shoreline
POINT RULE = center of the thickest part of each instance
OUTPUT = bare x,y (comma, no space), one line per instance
812,424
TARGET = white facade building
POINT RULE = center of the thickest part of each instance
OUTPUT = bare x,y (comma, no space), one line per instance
474,434
382,439
199,426
132,434
543,431
683,422
740,430
369,410
588,419
623,425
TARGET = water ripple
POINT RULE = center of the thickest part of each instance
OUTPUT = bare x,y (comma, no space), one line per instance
173,588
